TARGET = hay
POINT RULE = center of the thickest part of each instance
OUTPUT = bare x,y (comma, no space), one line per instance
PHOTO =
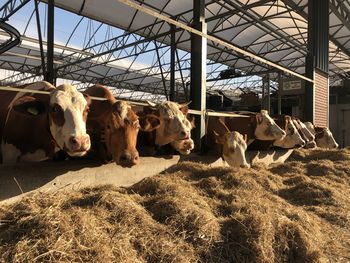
292,212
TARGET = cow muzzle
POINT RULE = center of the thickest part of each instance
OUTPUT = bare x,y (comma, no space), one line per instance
129,159
78,145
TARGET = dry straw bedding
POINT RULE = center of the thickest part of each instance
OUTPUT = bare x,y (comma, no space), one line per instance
293,212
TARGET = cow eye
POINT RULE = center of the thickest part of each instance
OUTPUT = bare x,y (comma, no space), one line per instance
56,108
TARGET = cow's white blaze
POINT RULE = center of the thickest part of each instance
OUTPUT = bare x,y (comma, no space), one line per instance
72,104
292,138
234,148
267,129
173,124
307,133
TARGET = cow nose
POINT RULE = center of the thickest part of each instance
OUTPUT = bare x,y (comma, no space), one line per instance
129,159
184,134
74,142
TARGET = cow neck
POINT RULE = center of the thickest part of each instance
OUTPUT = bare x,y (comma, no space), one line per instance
52,139
254,125
104,139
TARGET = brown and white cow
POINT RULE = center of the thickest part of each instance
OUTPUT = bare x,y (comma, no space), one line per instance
35,126
113,127
258,126
165,123
305,133
230,145
323,136
293,138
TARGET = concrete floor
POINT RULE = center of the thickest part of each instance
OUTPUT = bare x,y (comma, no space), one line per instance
18,180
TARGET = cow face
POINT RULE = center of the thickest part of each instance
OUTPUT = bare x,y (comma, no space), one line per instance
121,132
67,115
233,148
187,145
292,138
266,128
306,133
183,146
173,124
324,138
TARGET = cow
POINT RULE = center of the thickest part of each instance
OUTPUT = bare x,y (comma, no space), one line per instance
165,123
184,147
113,127
34,126
258,126
293,138
323,136
304,132
230,145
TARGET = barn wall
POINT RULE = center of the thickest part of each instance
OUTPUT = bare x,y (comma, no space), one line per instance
340,123
321,98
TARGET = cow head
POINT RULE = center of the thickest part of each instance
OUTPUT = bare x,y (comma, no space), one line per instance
324,138
184,146
233,147
306,133
292,138
171,124
67,116
266,128
120,127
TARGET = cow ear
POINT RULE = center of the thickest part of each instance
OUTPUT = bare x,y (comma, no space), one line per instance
87,98
184,109
193,122
259,118
246,138
218,138
30,106
149,122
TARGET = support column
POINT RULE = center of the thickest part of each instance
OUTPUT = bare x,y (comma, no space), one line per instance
317,61
172,96
279,99
49,75
198,71
266,104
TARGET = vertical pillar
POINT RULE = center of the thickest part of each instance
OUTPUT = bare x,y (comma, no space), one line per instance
266,93
317,93
172,64
198,71
279,100
49,76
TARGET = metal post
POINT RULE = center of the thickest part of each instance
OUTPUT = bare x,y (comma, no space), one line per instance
263,95
279,100
268,101
318,52
42,55
198,71
161,71
49,76
172,64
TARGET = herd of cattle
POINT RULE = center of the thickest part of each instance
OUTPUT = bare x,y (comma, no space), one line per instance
35,127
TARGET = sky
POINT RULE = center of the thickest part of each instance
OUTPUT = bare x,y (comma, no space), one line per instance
65,23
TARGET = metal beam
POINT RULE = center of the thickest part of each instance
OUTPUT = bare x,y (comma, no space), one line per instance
49,76
198,71
11,7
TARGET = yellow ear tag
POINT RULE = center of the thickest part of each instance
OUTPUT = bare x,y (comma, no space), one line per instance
33,111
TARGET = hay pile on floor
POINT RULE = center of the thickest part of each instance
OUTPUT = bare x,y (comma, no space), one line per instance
294,212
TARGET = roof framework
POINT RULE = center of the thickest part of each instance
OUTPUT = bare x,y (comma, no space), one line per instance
273,29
